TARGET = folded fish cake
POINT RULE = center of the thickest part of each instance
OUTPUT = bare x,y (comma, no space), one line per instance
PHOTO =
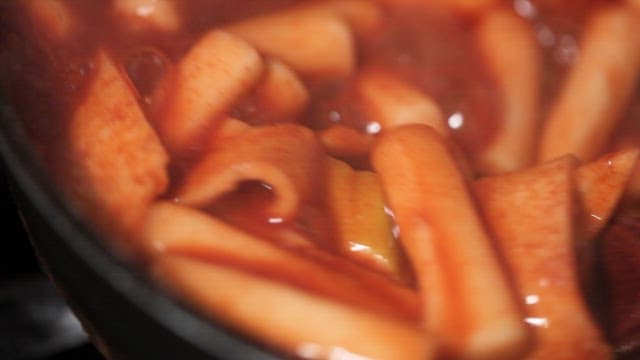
117,165
532,216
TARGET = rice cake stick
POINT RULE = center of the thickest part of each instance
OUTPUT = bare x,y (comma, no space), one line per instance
209,79
597,88
392,102
177,230
516,68
344,142
468,303
311,43
363,16
281,94
288,319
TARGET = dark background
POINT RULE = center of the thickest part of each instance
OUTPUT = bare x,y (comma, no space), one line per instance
34,321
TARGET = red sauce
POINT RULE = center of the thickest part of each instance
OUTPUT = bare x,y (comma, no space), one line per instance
433,51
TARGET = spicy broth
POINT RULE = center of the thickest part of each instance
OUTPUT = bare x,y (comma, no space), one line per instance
427,48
